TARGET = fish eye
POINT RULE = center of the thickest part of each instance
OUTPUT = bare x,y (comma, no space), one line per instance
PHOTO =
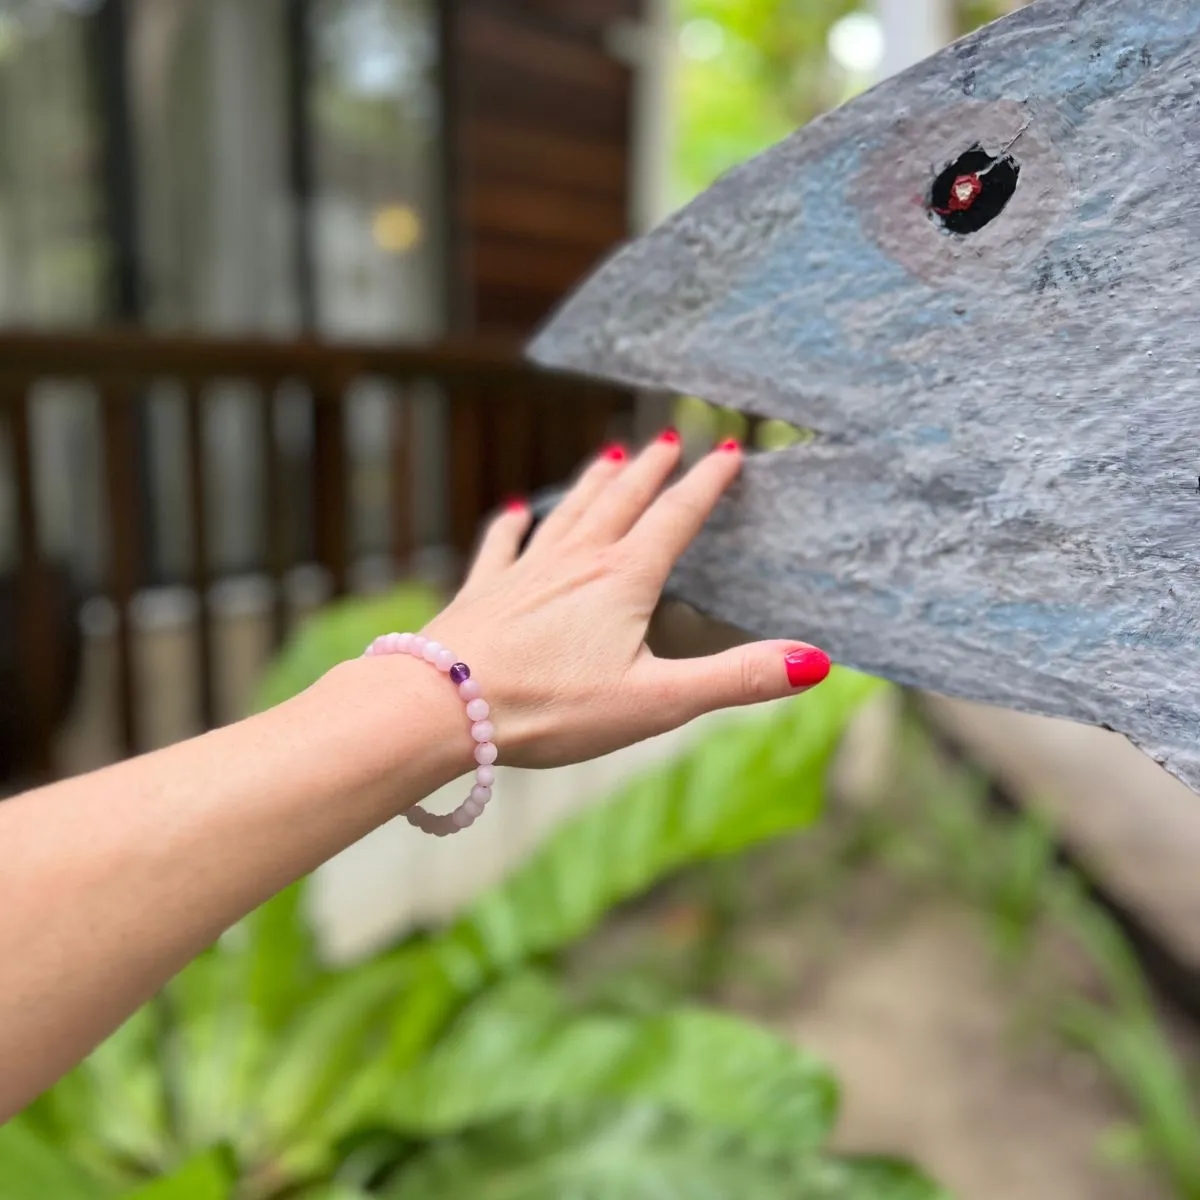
973,190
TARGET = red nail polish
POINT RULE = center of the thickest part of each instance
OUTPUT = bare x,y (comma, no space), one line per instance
515,504
670,436
806,667
729,445
615,453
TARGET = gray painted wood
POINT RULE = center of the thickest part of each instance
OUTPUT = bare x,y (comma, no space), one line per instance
1002,500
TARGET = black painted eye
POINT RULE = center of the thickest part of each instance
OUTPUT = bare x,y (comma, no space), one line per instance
973,190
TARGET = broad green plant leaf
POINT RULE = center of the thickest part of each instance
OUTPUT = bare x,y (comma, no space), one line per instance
865,1178
520,1048
341,631
278,952
756,778
635,1154
110,1111
342,1028
208,1176
31,1168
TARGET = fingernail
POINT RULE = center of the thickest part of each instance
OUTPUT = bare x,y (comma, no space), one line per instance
515,504
615,453
806,667
729,445
670,436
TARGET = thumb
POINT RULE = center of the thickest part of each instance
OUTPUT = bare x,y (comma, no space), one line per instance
747,674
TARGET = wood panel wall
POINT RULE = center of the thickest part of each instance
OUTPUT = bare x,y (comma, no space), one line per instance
539,117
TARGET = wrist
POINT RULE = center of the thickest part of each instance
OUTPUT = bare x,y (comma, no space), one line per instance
406,735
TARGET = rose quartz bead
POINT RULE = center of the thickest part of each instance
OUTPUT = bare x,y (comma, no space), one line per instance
478,710
482,731
469,690
474,807
486,754
462,817
393,643
485,776
445,660
481,795
430,651
405,644
418,645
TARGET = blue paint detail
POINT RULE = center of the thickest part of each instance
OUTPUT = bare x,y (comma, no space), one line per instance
889,604
788,304
1055,629
1067,65
931,435
820,264
1096,208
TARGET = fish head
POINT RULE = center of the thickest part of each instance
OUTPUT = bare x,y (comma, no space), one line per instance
975,284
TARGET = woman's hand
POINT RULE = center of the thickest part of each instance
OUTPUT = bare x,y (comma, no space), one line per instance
556,635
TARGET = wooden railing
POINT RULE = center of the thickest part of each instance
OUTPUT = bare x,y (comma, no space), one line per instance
509,429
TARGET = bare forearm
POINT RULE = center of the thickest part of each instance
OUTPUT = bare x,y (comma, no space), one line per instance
114,881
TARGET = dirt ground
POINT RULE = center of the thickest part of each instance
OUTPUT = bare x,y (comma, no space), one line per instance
899,990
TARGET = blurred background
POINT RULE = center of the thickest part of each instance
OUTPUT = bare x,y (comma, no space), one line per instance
266,267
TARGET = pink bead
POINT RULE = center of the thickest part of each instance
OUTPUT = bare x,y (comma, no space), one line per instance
445,660
405,644
474,808
469,690
478,710
393,643
485,776
418,645
430,651
486,754
369,650
480,795
483,731
462,817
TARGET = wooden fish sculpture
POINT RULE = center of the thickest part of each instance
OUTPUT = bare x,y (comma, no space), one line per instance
979,283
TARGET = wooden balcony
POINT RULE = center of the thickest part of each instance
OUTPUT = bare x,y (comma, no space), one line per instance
503,427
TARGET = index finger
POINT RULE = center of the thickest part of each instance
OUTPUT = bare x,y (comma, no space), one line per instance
671,523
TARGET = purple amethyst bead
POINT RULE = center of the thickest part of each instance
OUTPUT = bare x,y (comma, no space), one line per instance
460,673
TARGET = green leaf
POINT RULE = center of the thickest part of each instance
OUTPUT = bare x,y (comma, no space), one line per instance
321,1052
109,1113
869,1177
758,777
519,1048
212,1049
279,955
208,1176
635,1154
341,631
335,1191
31,1168
1139,1059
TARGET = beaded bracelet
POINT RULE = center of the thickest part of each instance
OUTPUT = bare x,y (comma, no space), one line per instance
465,815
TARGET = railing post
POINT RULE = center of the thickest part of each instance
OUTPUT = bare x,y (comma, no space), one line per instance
401,481
38,654
201,560
119,424
274,517
330,488
465,465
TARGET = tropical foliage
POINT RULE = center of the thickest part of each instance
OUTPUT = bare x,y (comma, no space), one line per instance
456,1063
